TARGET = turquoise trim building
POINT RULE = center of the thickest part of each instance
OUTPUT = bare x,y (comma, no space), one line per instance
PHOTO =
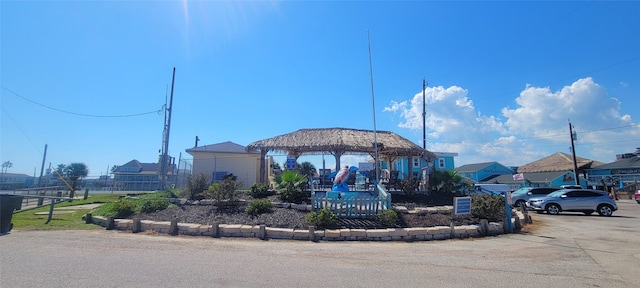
481,172
444,162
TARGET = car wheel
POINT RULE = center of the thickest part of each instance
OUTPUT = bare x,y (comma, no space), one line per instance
587,212
553,209
605,210
522,204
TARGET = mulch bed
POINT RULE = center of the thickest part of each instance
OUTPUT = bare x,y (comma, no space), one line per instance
293,218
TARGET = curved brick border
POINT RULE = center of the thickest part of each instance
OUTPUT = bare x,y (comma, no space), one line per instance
262,232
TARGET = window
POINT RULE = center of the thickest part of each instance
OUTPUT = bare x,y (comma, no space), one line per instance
416,162
440,163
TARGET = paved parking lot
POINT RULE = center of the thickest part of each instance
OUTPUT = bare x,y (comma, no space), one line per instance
567,250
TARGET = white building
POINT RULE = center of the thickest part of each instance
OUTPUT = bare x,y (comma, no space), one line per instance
218,160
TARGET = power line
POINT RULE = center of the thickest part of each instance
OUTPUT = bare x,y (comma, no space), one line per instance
23,133
81,114
584,132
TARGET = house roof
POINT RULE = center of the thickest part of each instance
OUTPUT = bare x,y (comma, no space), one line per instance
474,167
557,162
224,147
341,140
533,177
631,162
144,166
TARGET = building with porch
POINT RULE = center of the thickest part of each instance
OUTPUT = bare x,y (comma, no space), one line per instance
138,176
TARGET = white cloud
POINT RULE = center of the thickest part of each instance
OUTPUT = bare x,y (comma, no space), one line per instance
535,128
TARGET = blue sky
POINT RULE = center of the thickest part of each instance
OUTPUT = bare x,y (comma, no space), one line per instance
504,77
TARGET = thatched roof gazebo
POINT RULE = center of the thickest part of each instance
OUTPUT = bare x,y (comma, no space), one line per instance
337,142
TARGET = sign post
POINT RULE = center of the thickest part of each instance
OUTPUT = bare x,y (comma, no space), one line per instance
507,200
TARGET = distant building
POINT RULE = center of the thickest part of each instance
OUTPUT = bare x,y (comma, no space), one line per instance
221,159
621,173
15,181
536,179
482,172
444,162
137,176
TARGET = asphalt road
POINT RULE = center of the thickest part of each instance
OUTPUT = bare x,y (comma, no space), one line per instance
567,250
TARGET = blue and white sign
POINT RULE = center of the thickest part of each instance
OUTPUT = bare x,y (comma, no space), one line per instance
291,162
461,205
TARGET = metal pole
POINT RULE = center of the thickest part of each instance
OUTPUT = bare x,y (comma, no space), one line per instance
373,105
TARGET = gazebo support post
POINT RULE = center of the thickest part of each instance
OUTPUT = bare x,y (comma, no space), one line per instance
337,154
263,170
410,167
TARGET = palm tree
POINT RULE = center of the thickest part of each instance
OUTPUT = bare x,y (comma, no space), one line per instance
307,169
5,166
290,186
75,172
448,182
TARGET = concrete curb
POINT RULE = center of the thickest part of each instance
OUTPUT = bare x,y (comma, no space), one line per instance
265,233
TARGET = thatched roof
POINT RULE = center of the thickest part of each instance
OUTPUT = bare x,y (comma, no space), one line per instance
557,162
340,140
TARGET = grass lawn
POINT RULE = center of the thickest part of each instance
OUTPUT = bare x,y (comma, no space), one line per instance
27,220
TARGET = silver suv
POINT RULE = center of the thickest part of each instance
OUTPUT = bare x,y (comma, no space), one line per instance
576,200
519,197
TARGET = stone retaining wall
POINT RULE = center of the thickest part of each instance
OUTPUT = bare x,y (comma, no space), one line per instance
260,231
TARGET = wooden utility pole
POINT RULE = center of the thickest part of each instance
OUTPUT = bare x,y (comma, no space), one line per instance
165,148
573,152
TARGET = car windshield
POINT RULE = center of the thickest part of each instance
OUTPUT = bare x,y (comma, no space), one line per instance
521,191
556,193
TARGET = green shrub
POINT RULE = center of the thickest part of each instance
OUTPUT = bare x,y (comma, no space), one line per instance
152,204
388,217
224,193
259,190
173,193
322,219
259,206
122,208
409,186
196,186
488,207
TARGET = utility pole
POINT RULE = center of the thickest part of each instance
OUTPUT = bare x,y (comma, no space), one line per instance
573,152
424,115
167,127
44,158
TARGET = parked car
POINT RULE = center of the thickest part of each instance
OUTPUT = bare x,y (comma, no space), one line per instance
521,196
637,196
575,200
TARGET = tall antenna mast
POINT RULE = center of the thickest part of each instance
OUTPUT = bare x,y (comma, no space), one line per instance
165,149
373,106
